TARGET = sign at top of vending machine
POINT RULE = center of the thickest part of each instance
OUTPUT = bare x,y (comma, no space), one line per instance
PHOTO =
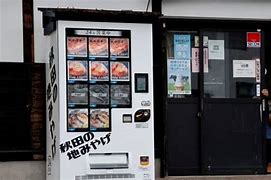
254,39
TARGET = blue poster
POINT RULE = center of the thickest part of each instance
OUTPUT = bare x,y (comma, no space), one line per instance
179,77
182,46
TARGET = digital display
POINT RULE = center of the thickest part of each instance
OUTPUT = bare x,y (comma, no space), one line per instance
141,83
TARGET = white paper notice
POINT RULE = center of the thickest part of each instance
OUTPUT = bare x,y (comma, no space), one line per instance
205,60
244,69
216,49
195,60
258,90
258,70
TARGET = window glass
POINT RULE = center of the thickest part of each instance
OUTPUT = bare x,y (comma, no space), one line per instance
233,68
182,64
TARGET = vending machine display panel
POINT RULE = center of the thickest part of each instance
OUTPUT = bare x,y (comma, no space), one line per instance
98,76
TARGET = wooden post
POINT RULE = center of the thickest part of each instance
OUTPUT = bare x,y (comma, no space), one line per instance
28,31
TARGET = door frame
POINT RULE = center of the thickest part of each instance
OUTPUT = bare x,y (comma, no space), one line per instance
200,24
204,101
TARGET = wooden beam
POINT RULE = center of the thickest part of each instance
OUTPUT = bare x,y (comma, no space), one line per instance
28,31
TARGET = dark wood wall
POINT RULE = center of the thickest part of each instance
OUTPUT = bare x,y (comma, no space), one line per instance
28,31
22,111
37,117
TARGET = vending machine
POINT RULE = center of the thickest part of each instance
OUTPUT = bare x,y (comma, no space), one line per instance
100,101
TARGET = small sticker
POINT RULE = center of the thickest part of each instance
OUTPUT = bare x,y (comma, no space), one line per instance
205,41
146,176
49,165
127,118
144,160
146,103
254,39
142,125
196,41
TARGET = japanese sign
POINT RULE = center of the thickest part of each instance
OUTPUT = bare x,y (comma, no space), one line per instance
216,49
51,96
81,145
98,32
244,69
195,60
179,77
205,60
182,46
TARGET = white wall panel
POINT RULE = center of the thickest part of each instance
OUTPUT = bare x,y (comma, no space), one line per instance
11,31
249,9
41,41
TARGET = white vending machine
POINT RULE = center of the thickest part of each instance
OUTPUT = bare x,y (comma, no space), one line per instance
100,101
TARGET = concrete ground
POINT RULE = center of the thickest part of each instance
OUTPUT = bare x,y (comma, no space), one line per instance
35,170
239,177
235,177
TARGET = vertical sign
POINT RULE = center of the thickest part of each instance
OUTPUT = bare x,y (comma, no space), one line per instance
182,46
179,77
52,110
258,70
195,60
205,60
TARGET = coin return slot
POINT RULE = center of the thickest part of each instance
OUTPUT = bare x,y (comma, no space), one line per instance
108,160
127,118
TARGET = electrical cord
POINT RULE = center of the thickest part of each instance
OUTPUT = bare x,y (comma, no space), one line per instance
148,4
